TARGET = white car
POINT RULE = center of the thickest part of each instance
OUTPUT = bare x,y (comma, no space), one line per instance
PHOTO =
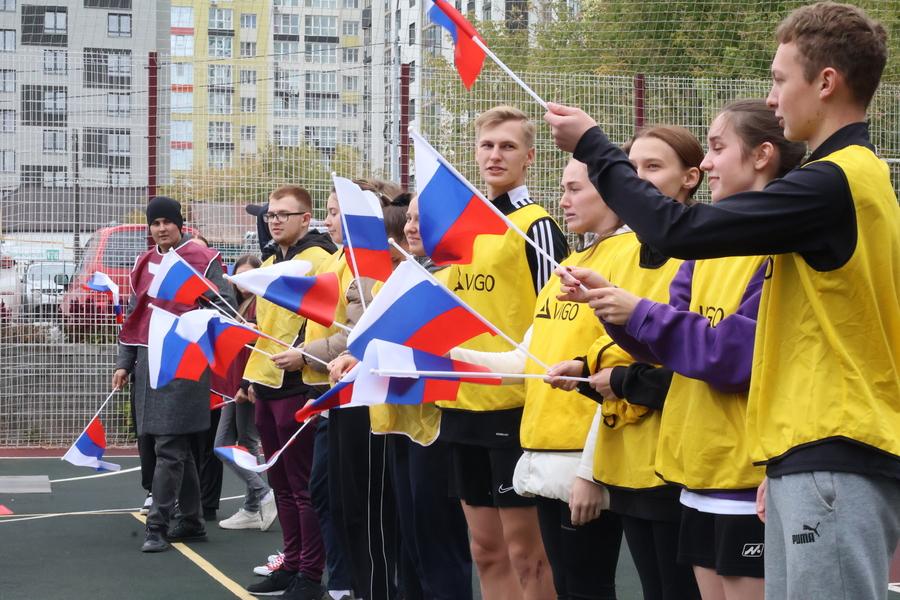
43,285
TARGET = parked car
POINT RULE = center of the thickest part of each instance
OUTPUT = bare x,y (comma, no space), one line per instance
111,250
9,299
43,285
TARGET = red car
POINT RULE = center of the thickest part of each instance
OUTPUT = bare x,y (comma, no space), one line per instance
111,250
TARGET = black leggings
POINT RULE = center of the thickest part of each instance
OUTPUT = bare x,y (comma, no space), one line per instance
583,558
654,548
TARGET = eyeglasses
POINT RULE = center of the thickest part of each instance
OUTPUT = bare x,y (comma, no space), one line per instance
280,217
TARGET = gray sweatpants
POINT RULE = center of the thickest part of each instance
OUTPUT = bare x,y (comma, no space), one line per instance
830,535
237,425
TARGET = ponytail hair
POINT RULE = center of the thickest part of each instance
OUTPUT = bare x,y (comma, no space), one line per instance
755,123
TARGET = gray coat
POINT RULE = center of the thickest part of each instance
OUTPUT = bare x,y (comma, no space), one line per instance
182,406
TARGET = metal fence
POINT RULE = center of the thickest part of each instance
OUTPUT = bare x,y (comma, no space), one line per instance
73,196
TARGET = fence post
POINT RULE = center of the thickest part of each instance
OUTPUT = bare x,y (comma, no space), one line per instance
404,125
640,95
152,123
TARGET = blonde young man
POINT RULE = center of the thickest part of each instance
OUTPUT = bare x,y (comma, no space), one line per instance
482,425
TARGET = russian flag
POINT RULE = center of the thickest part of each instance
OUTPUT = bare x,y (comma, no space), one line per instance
413,310
101,282
176,280
88,449
387,356
339,395
241,457
284,284
451,214
467,55
220,340
171,356
365,238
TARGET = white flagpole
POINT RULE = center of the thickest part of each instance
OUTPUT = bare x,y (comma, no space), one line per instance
470,375
209,285
345,234
475,313
509,72
91,420
276,340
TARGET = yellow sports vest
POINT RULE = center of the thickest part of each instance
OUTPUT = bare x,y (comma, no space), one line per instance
625,453
826,362
497,284
703,435
279,323
556,420
336,263
420,422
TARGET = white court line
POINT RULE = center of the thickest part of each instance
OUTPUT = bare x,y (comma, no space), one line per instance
104,511
894,587
94,476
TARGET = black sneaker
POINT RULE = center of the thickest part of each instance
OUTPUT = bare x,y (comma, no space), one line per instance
303,588
273,585
154,542
185,533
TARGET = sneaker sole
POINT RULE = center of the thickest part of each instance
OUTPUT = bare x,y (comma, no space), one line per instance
278,593
262,572
241,526
194,538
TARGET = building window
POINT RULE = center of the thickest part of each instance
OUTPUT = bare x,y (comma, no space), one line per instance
220,18
182,16
118,25
119,177
55,21
350,55
350,27
119,143
321,25
7,80
350,110
182,73
53,178
54,101
351,3
321,137
220,46
412,34
287,52
181,159
182,131
7,161
248,49
7,5
286,3
7,121
248,133
182,102
118,105
321,81
349,138
321,54
248,77
248,105
321,107
55,62
7,40
321,3
287,25
182,45
219,132
286,135
220,158
107,68
351,83
220,75
287,105
54,140
486,11
287,82
248,20
220,103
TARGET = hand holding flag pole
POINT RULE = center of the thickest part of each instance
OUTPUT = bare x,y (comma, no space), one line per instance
272,338
410,258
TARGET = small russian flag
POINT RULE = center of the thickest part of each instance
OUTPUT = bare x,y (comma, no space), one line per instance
101,282
176,280
284,284
171,356
451,215
467,55
88,449
365,239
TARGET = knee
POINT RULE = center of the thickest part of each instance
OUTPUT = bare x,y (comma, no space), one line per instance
487,554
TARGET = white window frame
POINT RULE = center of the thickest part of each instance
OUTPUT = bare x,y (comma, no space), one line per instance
54,141
118,104
55,22
118,25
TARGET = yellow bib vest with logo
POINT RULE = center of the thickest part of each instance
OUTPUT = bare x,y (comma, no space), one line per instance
419,422
625,453
556,420
498,284
826,362
703,441
336,263
279,323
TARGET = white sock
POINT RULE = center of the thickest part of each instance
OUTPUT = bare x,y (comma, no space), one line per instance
338,594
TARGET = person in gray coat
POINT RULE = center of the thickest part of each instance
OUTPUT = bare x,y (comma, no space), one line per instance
170,415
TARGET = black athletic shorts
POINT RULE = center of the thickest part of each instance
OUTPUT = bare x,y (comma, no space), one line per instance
732,545
483,476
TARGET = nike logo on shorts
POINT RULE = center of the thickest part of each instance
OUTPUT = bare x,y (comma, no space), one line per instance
503,490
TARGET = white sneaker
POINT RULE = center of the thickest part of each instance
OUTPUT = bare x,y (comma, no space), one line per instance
242,519
274,563
268,511
148,501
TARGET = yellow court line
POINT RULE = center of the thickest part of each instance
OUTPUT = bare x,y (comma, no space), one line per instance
207,566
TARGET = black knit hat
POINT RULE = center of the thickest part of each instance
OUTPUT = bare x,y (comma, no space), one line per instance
161,207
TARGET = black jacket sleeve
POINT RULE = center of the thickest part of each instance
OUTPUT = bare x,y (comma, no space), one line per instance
641,384
546,234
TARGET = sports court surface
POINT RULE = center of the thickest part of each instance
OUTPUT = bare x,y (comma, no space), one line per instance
82,538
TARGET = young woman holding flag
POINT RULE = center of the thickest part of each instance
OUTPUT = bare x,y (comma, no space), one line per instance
706,334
